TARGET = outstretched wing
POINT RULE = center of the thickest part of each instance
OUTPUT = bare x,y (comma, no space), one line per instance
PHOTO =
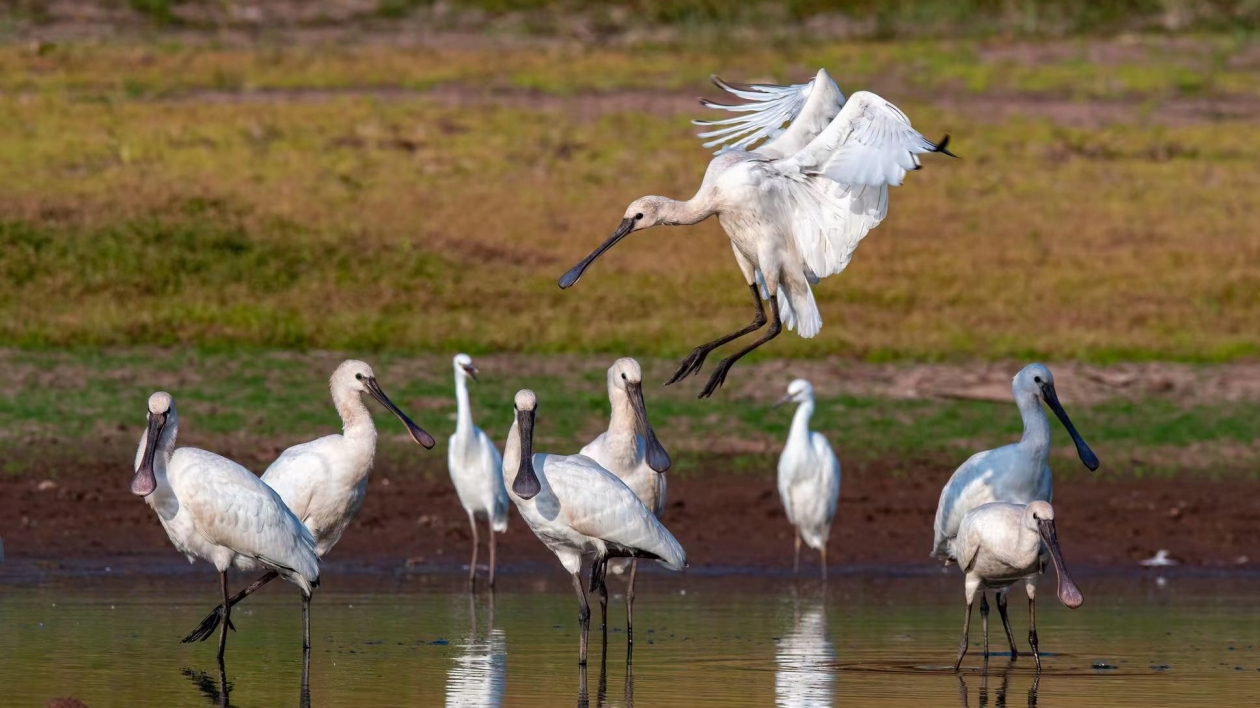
809,107
870,142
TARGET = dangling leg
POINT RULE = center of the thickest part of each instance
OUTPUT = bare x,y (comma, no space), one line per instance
719,374
695,359
634,570
490,527
206,629
227,614
306,622
472,564
1006,622
962,645
984,623
796,556
584,620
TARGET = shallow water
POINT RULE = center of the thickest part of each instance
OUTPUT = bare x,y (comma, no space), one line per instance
111,639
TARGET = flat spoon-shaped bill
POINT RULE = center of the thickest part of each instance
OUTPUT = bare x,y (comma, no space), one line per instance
571,277
417,433
657,458
1069,594
1052,399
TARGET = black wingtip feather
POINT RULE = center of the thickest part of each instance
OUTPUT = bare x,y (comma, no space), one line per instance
943,146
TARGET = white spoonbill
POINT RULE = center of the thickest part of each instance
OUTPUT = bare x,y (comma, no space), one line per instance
794,208
630,450
216,510
577,508
476,469
1017,473
809,477
1000,544
324,481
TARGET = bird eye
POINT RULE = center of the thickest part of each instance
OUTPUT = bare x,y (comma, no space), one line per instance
623,376
1037,379
638,216
359,376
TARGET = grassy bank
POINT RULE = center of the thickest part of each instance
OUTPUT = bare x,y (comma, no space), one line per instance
63,408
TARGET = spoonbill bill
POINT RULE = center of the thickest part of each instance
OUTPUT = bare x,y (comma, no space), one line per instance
630,450
324,481
577,508
1017,473
809,477
795,207
476,469
218,511
1000,544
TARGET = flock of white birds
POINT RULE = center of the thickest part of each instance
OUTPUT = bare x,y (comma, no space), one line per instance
795,208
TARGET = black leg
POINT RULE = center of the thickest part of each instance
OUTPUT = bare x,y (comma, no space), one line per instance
695,359
1006,624
306,622
634,570
962,645
584,621
304,697
984,623
583,699
206,629
719,374
224,700
1032,631
226,615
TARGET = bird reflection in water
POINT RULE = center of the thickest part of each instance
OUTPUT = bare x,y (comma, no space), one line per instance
601,690
805,660
480,672
218,691
1000,697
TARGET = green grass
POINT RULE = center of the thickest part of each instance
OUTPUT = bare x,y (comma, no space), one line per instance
253,404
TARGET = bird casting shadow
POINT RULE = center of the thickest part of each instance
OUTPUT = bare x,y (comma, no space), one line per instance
217,690
601,690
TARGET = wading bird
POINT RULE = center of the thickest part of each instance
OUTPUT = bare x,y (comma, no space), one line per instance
218,511
476,469
1000,544
577,508
324,481
809,477
630,450
1016,473
795,207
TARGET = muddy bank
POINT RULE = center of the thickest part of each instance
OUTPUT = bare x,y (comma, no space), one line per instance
723,519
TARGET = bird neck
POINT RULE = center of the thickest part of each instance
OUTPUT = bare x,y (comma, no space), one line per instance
800,420
623,425
356,420
464,419
1036,425
675,213
512,454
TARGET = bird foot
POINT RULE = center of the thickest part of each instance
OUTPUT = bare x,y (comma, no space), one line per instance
207,628
717,378
690,365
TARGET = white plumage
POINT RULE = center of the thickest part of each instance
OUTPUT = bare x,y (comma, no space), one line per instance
1018,473
796,207
476,468
324,481
630,450
215,510
577,508
809,477
1000,544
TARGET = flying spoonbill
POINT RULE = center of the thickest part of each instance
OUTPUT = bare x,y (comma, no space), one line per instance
324,481
1016,473
809,477
630,450
795,207
1000,544
577,508
476,469
218,511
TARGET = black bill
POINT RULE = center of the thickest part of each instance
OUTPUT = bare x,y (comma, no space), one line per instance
526,485
470,370
657,458
417,433
571,277
145,480
1069,594
1052,399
